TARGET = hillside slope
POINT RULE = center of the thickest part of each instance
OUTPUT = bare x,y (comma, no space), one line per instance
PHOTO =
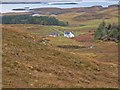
30,62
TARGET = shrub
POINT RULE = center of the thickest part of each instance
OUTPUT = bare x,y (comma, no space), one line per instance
108,32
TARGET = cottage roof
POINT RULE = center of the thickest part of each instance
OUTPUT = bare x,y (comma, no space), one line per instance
54,33
67,32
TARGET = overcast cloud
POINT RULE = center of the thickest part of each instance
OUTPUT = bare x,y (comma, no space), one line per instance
58,0
39,0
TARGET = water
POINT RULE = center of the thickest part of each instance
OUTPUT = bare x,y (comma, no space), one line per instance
8,7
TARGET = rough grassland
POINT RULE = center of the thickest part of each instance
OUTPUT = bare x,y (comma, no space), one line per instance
32,59
31,63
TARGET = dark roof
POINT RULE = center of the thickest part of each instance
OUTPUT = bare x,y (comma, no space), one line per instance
67,32
54,33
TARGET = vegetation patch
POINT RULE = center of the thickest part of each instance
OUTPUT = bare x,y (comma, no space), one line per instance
70,46
108,32
28,19
91,16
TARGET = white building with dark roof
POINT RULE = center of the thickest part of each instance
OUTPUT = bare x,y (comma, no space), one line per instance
69,34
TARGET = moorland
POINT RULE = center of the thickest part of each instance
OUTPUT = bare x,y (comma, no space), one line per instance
32,58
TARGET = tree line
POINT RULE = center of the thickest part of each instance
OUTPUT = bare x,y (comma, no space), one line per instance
107,32
28,19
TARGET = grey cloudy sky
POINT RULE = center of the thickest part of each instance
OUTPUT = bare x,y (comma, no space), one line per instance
37,0
57,0
46,0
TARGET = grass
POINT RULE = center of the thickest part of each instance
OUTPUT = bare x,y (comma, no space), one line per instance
28,60
63,41
68,17
32,63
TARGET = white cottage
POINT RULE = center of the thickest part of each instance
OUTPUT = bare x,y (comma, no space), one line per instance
27,9
69,34
36,15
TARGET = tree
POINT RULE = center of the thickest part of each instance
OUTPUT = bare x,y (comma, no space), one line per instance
108,32
99,33
27,19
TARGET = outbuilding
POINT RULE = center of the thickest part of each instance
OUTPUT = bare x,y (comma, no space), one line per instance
69,34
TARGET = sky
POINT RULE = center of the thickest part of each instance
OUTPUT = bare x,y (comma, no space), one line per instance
108,1
58,0
37,0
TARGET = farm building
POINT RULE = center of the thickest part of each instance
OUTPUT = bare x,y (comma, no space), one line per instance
69,34
54,34
35,15
27,9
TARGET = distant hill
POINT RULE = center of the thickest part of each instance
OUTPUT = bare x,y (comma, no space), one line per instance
62,3
23,2
79,16
75,10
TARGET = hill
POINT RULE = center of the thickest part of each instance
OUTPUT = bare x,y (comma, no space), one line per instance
30,62
33,59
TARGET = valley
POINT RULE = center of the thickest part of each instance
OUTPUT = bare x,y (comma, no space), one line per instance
34,59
